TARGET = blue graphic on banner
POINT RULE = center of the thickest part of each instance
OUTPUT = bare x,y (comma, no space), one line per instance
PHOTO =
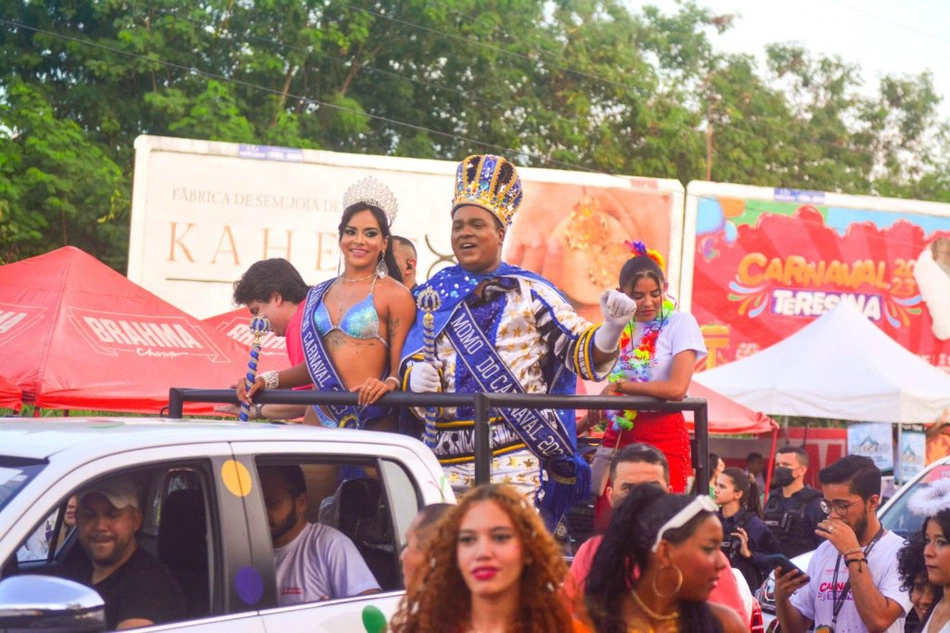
799,195
269,152
913,454
875,441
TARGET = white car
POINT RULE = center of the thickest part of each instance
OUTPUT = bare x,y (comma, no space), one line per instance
204,515
894,516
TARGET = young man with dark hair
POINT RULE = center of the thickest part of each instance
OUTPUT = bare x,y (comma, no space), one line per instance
792,512
314,561
853,582
274,289
635,465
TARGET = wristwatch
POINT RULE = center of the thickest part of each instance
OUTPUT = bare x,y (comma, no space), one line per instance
258,411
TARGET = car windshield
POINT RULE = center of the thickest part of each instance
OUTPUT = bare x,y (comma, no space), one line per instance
901,520
15,473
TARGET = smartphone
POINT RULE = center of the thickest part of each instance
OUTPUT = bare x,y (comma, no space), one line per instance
781,560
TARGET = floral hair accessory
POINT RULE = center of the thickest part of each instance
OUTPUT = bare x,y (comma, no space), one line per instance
638,248
932,499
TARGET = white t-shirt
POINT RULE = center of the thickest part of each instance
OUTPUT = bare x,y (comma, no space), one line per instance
679,333
815,600
320,564
944,629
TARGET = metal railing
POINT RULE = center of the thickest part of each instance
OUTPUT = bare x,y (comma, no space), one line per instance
483,403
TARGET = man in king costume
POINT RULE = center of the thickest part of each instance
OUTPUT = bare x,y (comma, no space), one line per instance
500,328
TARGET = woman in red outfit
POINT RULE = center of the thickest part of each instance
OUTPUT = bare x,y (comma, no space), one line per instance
658,351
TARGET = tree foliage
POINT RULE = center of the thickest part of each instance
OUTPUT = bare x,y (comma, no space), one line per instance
585,84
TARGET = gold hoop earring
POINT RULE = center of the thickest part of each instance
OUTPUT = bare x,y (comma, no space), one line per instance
679,582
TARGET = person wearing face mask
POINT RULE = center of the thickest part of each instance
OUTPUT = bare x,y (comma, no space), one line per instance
793,510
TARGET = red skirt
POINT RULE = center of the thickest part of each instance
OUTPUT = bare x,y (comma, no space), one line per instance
664,431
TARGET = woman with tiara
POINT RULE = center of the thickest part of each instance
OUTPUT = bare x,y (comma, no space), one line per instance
355,324
658,350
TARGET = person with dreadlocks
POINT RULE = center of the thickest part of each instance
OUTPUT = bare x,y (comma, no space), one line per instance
492,566
658,349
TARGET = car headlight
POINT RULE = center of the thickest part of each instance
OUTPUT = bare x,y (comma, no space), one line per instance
766,594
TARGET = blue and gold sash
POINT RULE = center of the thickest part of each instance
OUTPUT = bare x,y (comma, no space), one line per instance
323,373
565,476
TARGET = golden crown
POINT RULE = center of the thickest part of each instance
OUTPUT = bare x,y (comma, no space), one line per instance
371,191
489,182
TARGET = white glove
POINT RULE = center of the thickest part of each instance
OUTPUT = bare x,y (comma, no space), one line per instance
617,309
424,378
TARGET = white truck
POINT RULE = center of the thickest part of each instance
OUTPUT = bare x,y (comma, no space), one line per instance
205,517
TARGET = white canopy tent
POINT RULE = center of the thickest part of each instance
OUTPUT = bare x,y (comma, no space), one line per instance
840,366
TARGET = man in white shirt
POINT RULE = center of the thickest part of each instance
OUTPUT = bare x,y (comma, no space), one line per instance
853,582
313,561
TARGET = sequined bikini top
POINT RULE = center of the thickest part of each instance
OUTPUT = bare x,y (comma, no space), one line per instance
360,322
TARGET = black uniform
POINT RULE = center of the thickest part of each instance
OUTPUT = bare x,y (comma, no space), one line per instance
793,520
761,544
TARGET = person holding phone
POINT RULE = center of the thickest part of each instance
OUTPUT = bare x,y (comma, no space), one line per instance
747,540
852,582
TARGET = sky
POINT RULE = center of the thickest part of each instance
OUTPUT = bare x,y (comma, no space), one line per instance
881,36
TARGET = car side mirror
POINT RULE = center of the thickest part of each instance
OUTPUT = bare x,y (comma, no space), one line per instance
50,605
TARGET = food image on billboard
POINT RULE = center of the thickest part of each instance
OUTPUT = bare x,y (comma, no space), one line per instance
759,264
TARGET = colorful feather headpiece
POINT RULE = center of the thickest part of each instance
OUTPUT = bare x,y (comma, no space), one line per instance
489,182
638,248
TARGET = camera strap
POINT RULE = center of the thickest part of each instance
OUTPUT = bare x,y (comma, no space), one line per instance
839,603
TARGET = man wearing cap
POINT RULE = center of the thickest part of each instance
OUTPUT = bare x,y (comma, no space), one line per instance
500,328
136,588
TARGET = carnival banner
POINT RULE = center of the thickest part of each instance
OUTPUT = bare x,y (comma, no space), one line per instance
762,263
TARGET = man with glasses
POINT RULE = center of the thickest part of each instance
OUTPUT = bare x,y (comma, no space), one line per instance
853,583
634,465
792,512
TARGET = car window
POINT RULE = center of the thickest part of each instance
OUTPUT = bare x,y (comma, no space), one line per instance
331,525
16,472
175,549
37,545
898,517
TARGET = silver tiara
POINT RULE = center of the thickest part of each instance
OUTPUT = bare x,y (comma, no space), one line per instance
371,191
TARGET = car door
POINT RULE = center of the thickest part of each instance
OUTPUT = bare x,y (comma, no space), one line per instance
229,576
366,492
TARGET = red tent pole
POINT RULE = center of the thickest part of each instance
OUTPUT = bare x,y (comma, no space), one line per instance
768,473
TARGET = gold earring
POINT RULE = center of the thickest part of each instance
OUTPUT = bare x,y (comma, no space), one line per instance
679,582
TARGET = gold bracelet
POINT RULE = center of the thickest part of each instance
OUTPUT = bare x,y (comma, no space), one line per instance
853,551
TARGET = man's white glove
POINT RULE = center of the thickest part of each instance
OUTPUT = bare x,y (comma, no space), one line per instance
617,309
424,378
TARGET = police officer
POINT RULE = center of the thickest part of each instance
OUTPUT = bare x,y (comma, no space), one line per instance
792,511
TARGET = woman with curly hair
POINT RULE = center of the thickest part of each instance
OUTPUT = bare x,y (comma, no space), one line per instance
656,566
930,549
493,568
913,570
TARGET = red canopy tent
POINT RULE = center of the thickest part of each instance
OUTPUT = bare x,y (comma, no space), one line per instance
78,335
10,395
234,324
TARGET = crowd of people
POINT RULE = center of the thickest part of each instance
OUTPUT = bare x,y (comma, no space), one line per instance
662,560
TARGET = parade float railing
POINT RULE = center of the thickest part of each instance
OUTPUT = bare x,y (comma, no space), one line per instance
482,403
